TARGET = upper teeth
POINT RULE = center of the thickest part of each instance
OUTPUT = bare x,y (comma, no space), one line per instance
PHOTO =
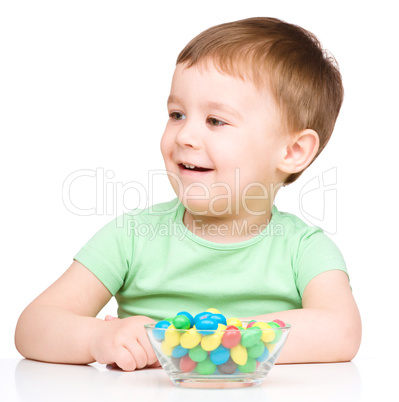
189,166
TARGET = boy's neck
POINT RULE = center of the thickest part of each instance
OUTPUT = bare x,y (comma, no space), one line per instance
222,229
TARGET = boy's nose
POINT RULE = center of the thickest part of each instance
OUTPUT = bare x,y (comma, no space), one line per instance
188,136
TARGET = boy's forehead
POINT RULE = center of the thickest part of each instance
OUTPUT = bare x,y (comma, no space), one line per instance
213,73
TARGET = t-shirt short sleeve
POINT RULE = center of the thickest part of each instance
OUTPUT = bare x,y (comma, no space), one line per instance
108,254
316,253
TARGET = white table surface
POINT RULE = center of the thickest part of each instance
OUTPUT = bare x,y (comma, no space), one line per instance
364,379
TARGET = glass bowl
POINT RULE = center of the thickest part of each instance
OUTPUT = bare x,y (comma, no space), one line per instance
217,359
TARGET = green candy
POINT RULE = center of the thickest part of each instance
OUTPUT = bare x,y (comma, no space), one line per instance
250,336
206,367
256,350
181,322
278,334
198,354
249,366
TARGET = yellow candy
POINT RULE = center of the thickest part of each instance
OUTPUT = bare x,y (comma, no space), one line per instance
166,350
221,327
267,336
239,354
211,342
213,311
270,346
234,321
172,336
190,339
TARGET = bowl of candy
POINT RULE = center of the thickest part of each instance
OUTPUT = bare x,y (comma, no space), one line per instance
209,351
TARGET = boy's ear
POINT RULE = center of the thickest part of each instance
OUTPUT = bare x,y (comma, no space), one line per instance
300,152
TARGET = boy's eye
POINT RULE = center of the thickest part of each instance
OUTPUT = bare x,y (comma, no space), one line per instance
215,122
177,116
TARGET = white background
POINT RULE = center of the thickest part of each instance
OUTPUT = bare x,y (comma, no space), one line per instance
83,86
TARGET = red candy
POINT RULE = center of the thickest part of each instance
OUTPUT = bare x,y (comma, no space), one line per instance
186,364
231,337
279,322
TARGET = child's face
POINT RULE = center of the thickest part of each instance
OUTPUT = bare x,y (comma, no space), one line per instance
230,128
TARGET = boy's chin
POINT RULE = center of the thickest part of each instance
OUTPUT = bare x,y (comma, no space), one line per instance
207,208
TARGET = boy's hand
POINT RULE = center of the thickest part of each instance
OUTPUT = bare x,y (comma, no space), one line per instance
125,343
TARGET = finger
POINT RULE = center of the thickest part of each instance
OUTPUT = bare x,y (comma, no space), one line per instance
154,365
125,360
110,318
146,345
138,353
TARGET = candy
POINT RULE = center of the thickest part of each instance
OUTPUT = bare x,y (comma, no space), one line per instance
179,351
220,355
221,327
267,336
256,350
248,367
228,368
277,334
188,315
172,337
213,310
181,322
239,354
251,336
190,338
198,354
279,322
205,367
234,321
159,332
264,355
201,316
186,364
206,326
211,342
231,337
219,318
166,349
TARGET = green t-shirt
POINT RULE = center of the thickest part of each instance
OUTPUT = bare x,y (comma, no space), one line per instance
156,267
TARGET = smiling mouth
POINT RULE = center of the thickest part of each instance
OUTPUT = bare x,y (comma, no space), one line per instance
193,168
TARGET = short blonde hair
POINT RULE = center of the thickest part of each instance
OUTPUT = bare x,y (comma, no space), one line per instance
303,77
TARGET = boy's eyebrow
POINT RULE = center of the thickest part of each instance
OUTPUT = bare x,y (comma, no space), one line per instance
212,105
224,108
172,99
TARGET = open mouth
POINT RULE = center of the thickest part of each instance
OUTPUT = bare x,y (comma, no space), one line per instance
193,168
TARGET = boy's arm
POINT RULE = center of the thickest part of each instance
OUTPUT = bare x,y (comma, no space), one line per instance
60,326
327,328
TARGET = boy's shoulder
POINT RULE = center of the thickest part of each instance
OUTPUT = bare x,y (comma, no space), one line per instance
291,225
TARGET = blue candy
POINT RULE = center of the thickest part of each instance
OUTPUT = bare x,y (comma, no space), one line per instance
201,316
206,326
189,316
220,355
220,318
179,351
264,355
159,330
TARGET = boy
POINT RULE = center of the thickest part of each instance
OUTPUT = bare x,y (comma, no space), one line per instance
252,104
